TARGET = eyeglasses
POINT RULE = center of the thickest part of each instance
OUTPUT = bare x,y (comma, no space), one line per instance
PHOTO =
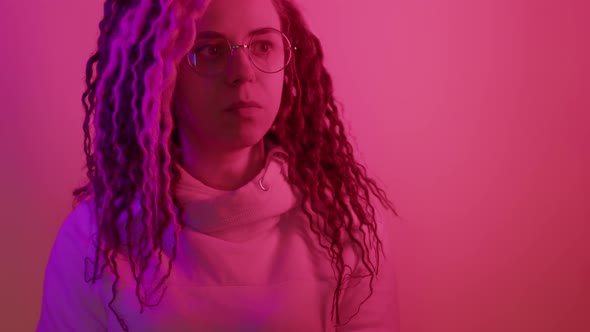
269,50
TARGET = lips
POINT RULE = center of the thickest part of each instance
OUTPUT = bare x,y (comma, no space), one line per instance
243,104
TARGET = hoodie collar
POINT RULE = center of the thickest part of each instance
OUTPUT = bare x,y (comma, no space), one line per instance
212,211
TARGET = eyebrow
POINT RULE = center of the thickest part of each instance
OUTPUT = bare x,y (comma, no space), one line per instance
208,34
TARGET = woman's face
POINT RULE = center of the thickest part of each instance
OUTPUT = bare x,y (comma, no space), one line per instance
202,101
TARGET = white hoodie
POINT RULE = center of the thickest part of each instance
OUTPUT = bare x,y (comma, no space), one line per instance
247,261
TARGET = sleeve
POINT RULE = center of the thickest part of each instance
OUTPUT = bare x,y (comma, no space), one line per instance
380,312
69,303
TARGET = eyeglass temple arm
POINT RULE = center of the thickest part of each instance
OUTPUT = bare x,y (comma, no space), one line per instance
233,47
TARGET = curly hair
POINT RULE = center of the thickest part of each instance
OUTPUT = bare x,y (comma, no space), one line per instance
131,146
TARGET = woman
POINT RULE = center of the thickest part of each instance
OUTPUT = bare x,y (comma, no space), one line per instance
223,194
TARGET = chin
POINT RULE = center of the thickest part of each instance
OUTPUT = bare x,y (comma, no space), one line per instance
245,140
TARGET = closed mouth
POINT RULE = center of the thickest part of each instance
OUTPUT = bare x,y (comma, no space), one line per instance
242,104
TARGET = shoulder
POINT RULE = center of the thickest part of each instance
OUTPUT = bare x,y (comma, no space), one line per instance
69,301
76,230
80,220
383,231
375,301
80,225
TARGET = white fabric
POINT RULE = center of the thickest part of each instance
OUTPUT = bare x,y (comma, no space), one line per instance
247,261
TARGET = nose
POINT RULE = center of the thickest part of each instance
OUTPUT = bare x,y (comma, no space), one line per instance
239,68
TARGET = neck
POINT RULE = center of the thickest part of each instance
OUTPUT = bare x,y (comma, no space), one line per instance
222,168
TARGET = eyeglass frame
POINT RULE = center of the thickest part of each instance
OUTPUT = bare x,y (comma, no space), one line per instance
232,49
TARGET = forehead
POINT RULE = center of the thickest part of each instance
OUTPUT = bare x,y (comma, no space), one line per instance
235,18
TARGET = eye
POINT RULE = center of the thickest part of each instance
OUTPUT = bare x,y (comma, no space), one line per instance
208,50
262,46
211,50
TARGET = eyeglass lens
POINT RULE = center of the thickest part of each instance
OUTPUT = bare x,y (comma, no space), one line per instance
269,51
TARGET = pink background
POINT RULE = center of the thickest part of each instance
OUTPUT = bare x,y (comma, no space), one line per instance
474,115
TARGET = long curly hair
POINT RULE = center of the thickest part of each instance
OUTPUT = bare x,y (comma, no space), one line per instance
131,141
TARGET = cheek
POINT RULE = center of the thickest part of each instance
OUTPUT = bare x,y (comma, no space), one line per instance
194,89
275,90
199,95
